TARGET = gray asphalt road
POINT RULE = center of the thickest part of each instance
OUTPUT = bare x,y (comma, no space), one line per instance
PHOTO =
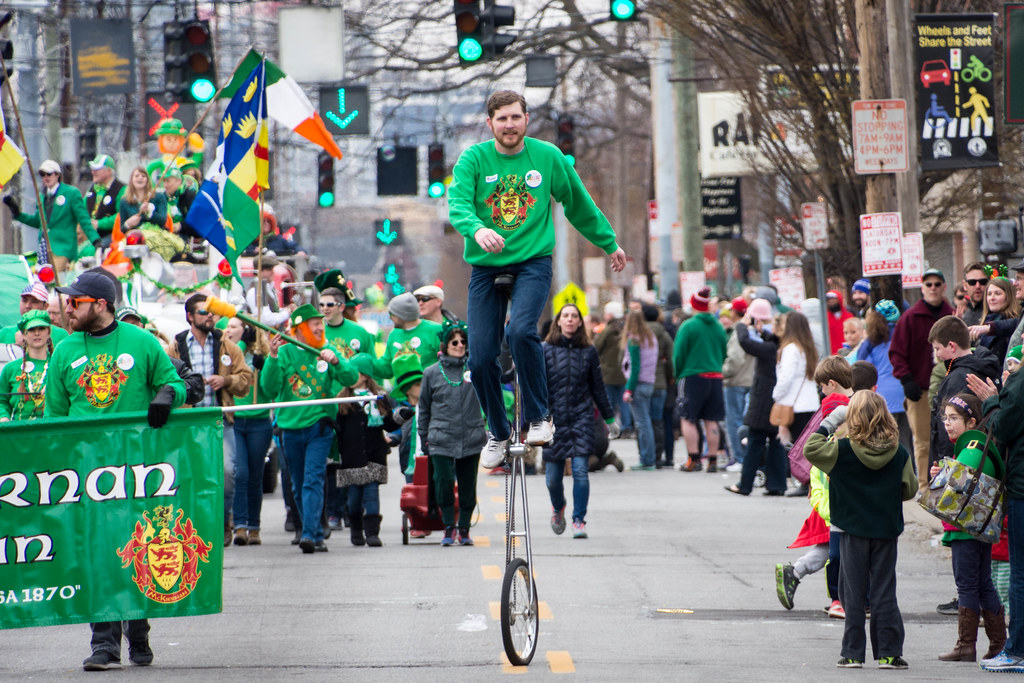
675,582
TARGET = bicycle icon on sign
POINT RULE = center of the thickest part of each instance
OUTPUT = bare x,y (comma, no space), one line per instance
976,69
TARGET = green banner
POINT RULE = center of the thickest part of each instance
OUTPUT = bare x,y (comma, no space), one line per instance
105,518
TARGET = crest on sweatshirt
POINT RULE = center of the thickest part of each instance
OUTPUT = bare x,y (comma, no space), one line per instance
102,380
510,202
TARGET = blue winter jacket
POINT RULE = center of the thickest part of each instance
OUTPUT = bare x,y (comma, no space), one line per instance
889,387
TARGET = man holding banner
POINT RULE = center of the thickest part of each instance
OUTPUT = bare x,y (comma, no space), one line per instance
106,367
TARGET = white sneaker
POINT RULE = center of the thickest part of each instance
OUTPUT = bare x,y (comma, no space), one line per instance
541,433
735,467
493,453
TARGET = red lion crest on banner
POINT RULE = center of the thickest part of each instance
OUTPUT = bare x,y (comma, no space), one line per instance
166,558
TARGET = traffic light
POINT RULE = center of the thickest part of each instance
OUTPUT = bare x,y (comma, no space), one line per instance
325,179
387,231
397,171
493,18
6,49
86,150
622,10
468,31
477,30
435,170
189,70
565,137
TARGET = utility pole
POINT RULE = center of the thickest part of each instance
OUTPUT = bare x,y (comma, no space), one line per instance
663,125
875,84
686,139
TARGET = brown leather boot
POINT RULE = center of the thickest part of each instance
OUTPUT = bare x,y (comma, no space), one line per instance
254,537
967,638
995,629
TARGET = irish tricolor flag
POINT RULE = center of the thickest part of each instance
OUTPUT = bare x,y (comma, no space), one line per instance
286,103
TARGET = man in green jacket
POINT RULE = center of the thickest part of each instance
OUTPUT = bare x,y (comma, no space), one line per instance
307,432
107,367
65,211
500,201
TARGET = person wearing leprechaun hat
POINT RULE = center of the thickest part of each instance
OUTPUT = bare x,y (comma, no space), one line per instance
294,374
171,139
22,383
407,381
344,333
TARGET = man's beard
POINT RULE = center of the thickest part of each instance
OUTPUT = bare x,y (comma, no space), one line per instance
206,326
84,323
305,335
833,307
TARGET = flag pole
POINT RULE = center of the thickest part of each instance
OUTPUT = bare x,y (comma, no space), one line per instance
202,117
35,187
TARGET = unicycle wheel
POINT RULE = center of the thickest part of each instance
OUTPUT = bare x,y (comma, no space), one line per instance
519,616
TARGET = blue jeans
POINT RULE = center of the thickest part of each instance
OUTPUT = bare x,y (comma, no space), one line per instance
1015,632
252,441
486,319
656,408
364,500
735,409
642,421
306,450
555,470
618,405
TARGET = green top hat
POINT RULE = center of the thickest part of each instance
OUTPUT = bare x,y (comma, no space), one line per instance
408,371
302,314
334,278
33,319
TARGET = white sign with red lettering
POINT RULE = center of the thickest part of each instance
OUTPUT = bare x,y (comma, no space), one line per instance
880,136
913,259
814,218
789,282
690,283
881,244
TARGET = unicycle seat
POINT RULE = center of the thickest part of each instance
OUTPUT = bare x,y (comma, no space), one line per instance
504,282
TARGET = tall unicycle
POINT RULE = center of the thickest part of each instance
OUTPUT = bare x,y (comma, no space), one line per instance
519,614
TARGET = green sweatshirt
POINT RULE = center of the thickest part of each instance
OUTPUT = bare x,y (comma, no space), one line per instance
26,377
700,346
298,375
117,373
350,338
510,194
423,340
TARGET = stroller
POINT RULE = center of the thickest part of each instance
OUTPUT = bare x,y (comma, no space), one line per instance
418,503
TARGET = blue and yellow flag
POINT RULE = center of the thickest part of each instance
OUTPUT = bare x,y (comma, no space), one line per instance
226,211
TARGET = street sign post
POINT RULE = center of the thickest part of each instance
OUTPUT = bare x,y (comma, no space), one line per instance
913,259
880,136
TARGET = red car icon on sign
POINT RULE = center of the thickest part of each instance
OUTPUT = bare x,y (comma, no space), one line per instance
935,71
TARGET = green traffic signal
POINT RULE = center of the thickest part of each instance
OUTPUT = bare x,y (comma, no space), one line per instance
326,199
435,190
202,90
470,50
623,10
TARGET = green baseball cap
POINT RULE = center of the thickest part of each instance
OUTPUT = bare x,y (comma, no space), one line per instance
102,161
33,319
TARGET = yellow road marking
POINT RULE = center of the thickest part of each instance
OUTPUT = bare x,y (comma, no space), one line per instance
492,484
507,668
491,572
673,610
483,541
497,499
543,611
560,662
500,517
495,608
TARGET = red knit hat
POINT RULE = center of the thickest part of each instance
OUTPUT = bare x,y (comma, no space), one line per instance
700,300
739,304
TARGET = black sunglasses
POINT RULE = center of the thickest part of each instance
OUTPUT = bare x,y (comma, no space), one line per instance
421,299
44,173
458,341
980,281
933,283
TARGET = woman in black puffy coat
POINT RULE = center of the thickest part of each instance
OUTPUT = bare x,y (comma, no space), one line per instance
574,386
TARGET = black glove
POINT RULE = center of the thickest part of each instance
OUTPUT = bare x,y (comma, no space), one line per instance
258,362
911,390
160,406
12,204
404,414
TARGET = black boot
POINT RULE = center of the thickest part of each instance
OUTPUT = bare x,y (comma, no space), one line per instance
371,523
356,529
